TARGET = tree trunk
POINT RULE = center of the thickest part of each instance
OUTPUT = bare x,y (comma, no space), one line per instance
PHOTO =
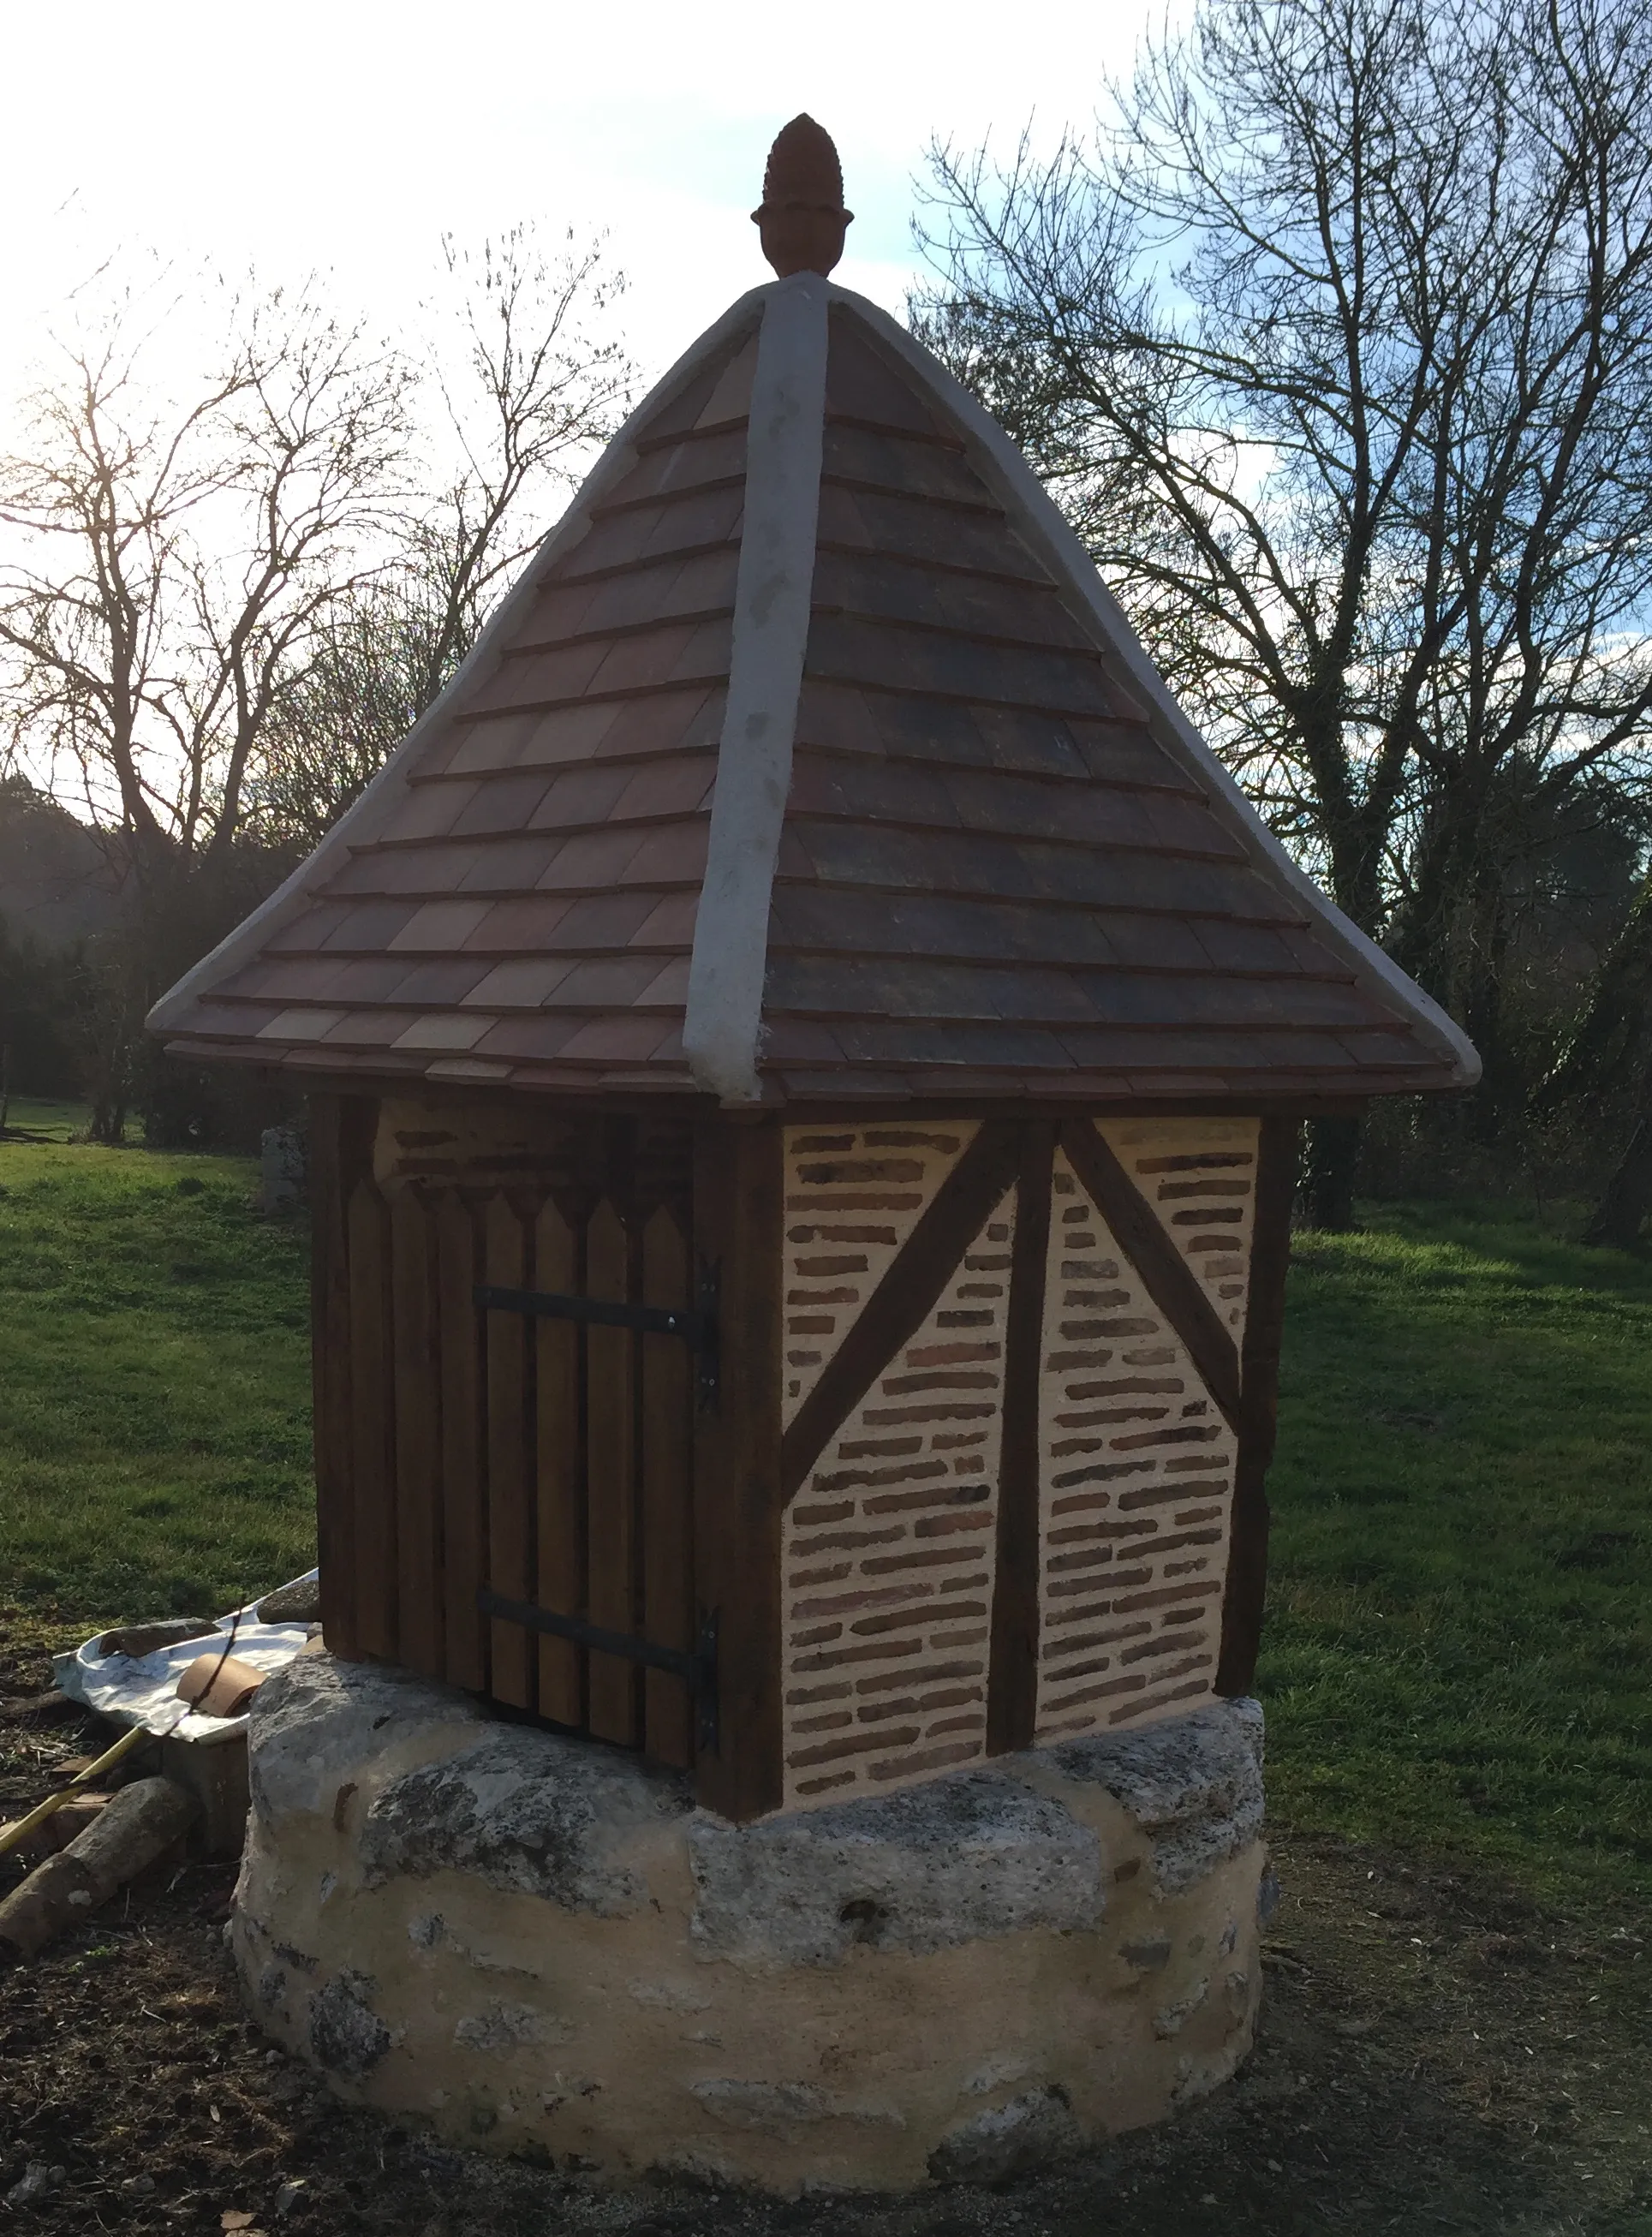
1628,1196
1333,1156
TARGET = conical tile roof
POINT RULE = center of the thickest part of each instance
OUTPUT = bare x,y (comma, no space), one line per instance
811,761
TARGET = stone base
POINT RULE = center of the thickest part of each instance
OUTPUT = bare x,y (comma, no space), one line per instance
540,1943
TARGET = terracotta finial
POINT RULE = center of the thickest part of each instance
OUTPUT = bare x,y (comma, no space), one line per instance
802,221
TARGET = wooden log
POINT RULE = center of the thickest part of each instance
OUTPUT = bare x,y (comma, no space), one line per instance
739,1198
560,1553
56,1833
510,1526
140,1639
668,1432
611,1485
464,1516
140,1823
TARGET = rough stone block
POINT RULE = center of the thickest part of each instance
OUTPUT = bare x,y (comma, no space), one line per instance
540,1942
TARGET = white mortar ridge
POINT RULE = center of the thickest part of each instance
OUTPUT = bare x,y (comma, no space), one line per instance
771,603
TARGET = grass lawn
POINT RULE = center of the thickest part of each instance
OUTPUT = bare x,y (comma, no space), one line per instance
153,1382
1459,1645
1458,1653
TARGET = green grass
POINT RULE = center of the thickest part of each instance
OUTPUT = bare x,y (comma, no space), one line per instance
1459,1645
1458,1655
39,1117
153,1384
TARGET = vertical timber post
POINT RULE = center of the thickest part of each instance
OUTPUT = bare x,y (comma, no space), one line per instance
738,1221
342,1130
1012,1683
1278,1150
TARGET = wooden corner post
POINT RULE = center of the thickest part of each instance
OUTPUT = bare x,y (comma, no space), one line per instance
340,1155
739,1210
1248,1559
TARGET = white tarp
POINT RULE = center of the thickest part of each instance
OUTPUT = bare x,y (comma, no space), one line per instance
142,1689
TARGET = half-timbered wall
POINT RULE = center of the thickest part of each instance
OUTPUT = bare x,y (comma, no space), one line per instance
993,1395
890,1543
1136,1477
889,1546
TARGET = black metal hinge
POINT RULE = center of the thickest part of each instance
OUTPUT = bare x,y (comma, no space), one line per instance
697,1325
697,1669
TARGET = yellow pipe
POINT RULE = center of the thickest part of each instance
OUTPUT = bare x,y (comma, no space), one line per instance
10,1835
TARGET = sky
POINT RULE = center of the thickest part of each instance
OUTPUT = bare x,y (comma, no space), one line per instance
345,138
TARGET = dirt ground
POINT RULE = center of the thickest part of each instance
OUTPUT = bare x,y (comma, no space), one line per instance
1435,2054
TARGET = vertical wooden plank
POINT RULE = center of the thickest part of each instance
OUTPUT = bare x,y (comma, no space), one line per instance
668,1431
739,1201
560,1519
611,1482
419,1535
1278,1150
1012,1682
510,1525
373,1450
464,1513
340,1141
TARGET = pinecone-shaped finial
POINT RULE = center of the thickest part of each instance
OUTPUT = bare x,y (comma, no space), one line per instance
801,219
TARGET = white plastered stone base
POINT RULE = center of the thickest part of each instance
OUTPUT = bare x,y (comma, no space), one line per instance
540,1943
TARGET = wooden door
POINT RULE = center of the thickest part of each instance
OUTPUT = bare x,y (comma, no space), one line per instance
475,1459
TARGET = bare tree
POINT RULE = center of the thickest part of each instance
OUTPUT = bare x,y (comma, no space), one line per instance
219,611
170,565
536,381
1337,345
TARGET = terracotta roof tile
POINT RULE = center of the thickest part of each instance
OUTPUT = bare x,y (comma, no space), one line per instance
539,1038
441,1029
862,385
687,464
503,803
432,811
509,928
670,922
591,858
668,985
606,1041
882,589
606,982
526,982
609,921
308,929
866,460
443,980
300,1024
909,527
371,926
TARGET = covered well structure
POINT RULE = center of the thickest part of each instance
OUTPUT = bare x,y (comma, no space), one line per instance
805,1047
